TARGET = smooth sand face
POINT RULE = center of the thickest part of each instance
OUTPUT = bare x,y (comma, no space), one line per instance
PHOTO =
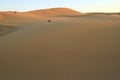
68,48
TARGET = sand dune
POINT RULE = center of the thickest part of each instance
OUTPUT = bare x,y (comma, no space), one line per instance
0,15
105,14
55,12
67,48
18,15
18,18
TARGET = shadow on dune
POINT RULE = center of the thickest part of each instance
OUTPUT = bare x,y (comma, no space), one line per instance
7,29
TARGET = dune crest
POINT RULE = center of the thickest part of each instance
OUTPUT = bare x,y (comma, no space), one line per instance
55,12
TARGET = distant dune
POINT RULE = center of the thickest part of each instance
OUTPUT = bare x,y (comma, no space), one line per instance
13,17
51,12
107,14
19,15
55,12
73,46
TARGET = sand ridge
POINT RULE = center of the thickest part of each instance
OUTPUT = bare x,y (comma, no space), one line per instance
55,12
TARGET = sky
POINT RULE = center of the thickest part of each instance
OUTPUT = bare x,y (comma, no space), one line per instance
79,5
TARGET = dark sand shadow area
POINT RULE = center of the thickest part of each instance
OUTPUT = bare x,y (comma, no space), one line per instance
7,29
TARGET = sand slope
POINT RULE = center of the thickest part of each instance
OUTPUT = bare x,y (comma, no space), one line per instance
1,16
68,48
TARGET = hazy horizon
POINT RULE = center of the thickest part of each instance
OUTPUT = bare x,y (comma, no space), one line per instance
79,5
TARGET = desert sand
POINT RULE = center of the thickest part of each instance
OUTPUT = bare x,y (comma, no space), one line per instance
70,47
